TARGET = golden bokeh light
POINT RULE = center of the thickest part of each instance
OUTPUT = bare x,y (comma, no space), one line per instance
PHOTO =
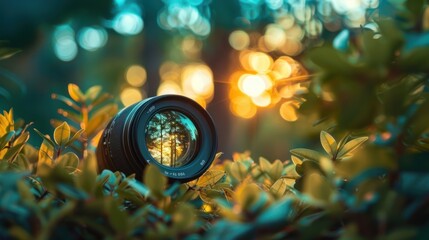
287,21
242,106
283,67
198,80
262,100
136,76
260,62
169,87
191,46
252,85
288,111
239,40
274,36
292,47
130,96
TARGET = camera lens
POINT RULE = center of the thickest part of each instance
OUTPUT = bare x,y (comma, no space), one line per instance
171,138
173,132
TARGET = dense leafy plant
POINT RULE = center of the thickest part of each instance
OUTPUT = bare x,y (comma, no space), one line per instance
366,181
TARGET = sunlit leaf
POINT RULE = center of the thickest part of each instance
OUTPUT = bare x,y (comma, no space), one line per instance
281,185
75,93
6,138
351,146
328,143
68,161
46,153
92,93
210,177
265,165
76,136
62,134
295,160
237,170
276,169
304,153
247,194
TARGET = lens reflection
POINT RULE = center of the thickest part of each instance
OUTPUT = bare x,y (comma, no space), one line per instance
171,138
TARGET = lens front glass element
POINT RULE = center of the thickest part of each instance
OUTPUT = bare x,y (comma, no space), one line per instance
171,138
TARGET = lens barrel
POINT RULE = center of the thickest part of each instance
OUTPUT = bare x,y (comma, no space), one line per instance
171,131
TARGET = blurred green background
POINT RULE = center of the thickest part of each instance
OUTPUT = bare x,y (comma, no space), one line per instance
233,57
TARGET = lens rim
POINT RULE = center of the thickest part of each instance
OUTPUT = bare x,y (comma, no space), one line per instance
206,143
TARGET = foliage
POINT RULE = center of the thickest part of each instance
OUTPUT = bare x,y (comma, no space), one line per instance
367,180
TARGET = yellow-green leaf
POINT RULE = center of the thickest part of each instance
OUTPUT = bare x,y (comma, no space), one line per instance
265,165
351,146
69,161
276,170
62,134
237,170
247,194
46,154
154,179
280,186
210,177
304,153
328,143
92,92
316,186
296,160
75,137
75,93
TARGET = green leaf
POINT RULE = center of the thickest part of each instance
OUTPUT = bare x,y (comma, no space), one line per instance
45,137
276,216
6,138
154,179
75,93
8,52
328,143
210,177
337,61
25,191
68,161
351,146
276,170
304,153
316,186
62,134
265,165
12,152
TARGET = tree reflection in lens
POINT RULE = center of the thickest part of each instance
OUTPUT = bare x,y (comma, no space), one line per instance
171,138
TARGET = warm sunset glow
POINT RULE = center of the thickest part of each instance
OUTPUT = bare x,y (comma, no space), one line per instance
260,62
252,85
262,100
169,87
242,106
